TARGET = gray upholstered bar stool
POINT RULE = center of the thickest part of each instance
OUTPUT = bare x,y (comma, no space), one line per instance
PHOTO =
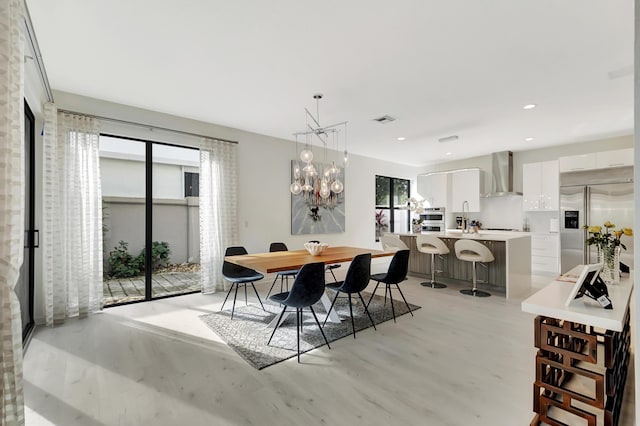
432,245
473,251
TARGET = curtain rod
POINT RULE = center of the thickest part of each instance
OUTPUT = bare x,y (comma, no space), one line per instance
31,34
133,123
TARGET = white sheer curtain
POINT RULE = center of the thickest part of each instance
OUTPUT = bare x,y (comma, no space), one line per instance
72,216
11,209
218,208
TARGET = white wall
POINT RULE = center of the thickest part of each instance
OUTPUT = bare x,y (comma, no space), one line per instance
264,198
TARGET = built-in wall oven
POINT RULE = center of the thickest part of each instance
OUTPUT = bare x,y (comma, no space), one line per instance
433,219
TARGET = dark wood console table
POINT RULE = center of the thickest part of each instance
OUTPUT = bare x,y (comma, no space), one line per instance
583,356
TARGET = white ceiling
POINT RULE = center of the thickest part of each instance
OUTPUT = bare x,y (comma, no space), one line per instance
442,68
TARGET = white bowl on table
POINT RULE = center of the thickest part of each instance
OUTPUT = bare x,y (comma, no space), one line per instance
315,249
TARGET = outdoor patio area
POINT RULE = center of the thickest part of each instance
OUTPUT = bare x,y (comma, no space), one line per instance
123,290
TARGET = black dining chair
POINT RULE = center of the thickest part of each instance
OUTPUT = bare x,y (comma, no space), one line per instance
239,275
329,268
307,289
396,273
283,275
356,280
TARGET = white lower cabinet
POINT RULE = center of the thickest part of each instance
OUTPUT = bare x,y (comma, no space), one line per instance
545,251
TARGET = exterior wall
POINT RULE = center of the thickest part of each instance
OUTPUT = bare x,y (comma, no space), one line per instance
122,178
126,178
175,221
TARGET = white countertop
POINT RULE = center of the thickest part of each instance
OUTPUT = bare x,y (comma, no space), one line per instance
550,302
481,235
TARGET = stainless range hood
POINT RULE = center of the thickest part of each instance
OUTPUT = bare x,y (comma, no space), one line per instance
502,175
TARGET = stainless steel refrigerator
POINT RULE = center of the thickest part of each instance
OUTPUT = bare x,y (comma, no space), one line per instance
593,197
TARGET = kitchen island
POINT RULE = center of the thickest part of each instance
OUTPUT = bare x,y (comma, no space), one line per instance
509,274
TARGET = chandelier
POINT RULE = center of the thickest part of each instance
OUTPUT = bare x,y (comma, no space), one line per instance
320,184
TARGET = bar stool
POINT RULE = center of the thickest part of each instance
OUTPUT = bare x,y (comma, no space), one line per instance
473,251
392,242
432,245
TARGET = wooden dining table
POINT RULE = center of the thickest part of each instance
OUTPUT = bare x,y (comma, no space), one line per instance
294,259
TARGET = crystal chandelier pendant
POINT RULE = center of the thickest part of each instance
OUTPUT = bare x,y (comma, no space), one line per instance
295,188
337,186
306,156
324,191
307,187
321,183
310,169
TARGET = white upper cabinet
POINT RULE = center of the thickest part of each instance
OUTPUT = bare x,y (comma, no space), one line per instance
615,158
550,185
466,186
540,186
578,162
434,188
531,186
597,160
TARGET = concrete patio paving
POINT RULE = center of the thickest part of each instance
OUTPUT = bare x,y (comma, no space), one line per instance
122,290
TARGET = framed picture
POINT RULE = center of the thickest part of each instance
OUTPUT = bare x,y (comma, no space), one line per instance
313,214
589,284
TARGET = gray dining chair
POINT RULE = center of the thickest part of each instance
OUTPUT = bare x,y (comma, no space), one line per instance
283,275
356,280
239,275
307,289
396,273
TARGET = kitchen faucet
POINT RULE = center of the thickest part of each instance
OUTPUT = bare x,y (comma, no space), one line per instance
465,218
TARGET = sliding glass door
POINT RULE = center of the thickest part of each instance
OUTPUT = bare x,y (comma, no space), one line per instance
175,246
151,223
25,284
123,179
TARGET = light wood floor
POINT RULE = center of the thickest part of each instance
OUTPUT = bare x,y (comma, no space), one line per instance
459,361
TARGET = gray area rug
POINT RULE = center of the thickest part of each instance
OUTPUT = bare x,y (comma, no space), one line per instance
248,332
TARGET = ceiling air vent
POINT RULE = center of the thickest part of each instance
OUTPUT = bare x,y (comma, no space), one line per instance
448,139
384,119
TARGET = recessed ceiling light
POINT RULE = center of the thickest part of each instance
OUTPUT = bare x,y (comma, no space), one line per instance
528,139
401,138
529,106
448,153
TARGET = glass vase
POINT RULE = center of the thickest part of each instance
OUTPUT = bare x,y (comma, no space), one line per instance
610,259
